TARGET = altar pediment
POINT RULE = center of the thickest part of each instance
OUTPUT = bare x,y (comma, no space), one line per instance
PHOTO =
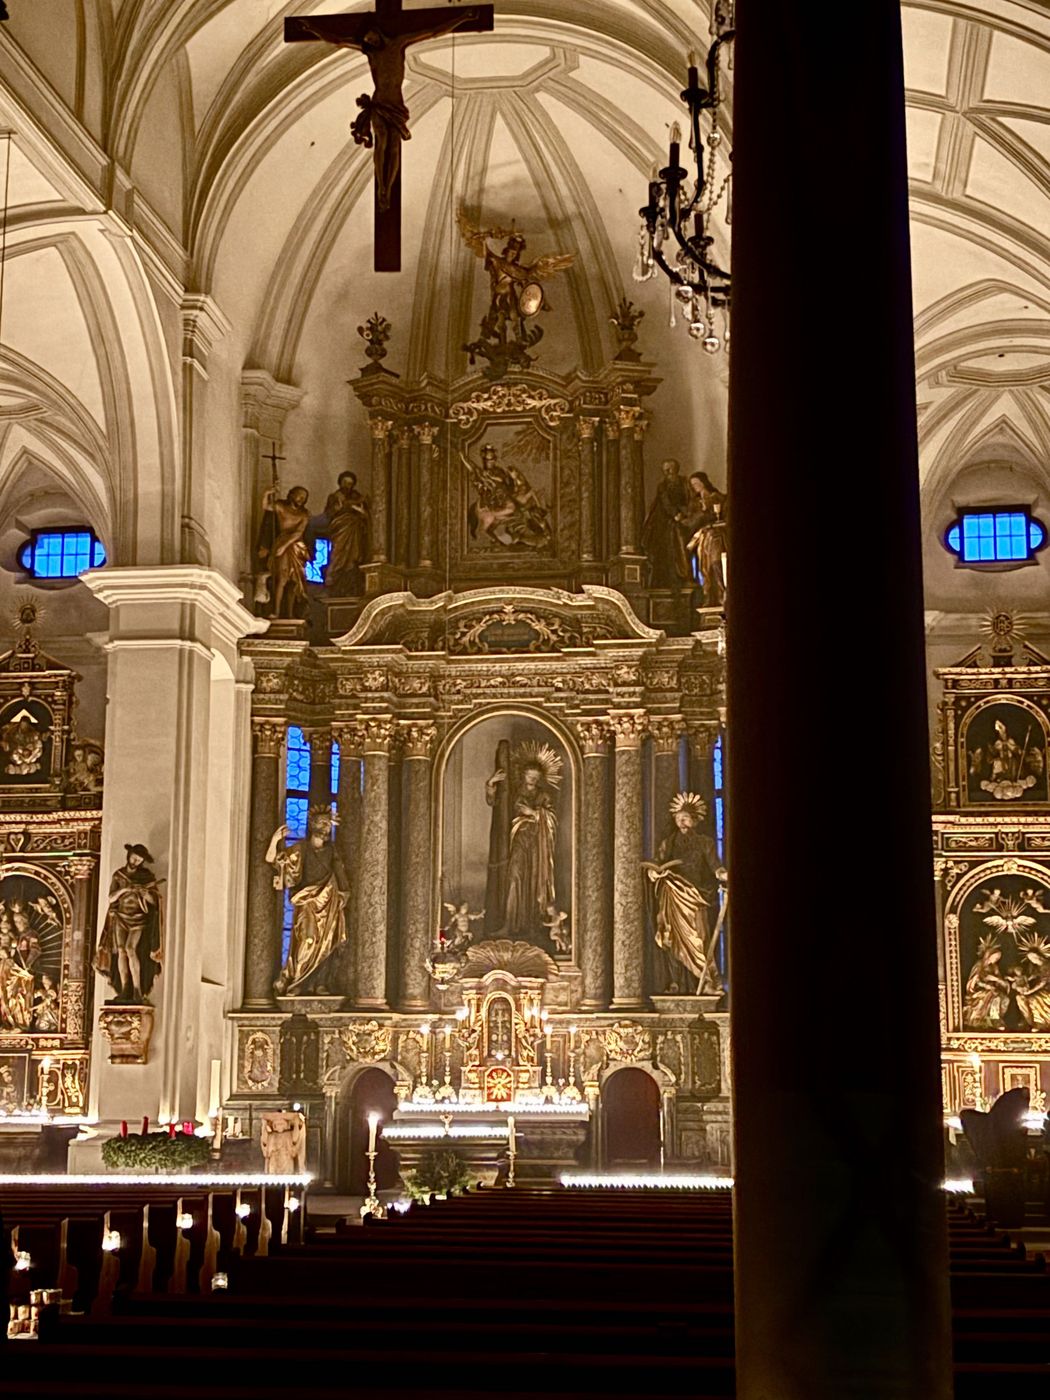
500,621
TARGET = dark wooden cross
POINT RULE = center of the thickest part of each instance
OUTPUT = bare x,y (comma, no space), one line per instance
383,35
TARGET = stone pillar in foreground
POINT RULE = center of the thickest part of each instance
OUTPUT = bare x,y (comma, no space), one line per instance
628,727
841,1258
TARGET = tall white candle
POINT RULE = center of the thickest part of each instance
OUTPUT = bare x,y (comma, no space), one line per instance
373,1124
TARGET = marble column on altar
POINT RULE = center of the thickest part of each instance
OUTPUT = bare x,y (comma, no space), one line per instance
416,874
666,731
426,433
629,728
588,487
594,919
401,495
348,838
262,946
611,495
320,741
629,533
839,1220
380,429
377,737
174,775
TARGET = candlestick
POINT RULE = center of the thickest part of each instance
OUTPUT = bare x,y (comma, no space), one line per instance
424,1068
371,1205
673,157
692,80
572,1056
512,1149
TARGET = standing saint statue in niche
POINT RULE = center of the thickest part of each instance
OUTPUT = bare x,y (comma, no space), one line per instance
523,841
705,522
129,947
663,540
685,880
283,550
314,872
348,525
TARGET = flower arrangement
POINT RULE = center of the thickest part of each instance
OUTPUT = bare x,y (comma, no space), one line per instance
163,1151
439,1172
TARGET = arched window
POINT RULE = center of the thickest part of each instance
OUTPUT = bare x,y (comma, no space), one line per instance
61,553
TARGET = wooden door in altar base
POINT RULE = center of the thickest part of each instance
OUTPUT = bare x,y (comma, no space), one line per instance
631,1119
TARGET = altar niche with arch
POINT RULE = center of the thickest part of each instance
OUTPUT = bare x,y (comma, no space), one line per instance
507,820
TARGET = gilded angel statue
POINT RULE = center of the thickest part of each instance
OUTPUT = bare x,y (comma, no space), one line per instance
517,293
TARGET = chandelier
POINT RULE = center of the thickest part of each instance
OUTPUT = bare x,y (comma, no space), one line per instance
675,236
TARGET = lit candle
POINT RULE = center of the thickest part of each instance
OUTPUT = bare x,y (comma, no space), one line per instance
448,1038
123,1129
676,136
187,1128
693,70
171,1130
373,1124
462,1013
572,1037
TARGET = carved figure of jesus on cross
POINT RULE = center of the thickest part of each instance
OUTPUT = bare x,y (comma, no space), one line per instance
383,35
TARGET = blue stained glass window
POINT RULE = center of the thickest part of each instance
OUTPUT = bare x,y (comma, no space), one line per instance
297,776
995,536
335,769
61,553
719,792
315,569
296,810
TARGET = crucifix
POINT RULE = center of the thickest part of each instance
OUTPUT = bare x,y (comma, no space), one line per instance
383,35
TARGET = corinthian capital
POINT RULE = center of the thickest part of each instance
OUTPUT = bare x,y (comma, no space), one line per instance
378,733
380,428
426,432
593,735
347,734
586,428
267,737
628,727
417,737
666,731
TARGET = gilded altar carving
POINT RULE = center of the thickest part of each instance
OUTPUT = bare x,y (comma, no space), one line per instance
627,1041
511,629
503,399
629,727
128,1030
257,1062
417,738
366,1043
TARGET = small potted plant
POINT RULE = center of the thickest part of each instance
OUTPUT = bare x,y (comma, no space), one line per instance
440,1172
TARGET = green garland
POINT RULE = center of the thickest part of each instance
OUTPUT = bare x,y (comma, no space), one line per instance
146,1151
439,1172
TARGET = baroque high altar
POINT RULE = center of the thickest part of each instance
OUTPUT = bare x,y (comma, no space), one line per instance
501,882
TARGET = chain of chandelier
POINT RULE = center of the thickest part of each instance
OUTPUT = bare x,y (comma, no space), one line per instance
675,236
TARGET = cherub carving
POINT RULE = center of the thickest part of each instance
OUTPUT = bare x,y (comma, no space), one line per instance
458,931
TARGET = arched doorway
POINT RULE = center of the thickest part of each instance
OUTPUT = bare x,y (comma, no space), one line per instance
631,1108
372,1092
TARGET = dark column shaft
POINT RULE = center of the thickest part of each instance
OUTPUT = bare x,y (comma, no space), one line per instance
840,1234
262,956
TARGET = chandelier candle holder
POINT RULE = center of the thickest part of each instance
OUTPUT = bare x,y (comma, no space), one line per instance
676,236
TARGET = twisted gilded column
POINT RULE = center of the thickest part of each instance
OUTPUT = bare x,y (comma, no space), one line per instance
595,918
416,876
262,948
377,736
380,429
628,727
426,433
588,486
348,836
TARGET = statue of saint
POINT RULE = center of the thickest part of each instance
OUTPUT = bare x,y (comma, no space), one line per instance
1031,983
129,948
705,521
685,880
1005,767
282,1139
16,987
987,991
662,539
508,511
521,884
313,870
348,526
286,556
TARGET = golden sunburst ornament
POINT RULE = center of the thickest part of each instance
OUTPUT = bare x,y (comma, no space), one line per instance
1004,628
690,802
533,754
